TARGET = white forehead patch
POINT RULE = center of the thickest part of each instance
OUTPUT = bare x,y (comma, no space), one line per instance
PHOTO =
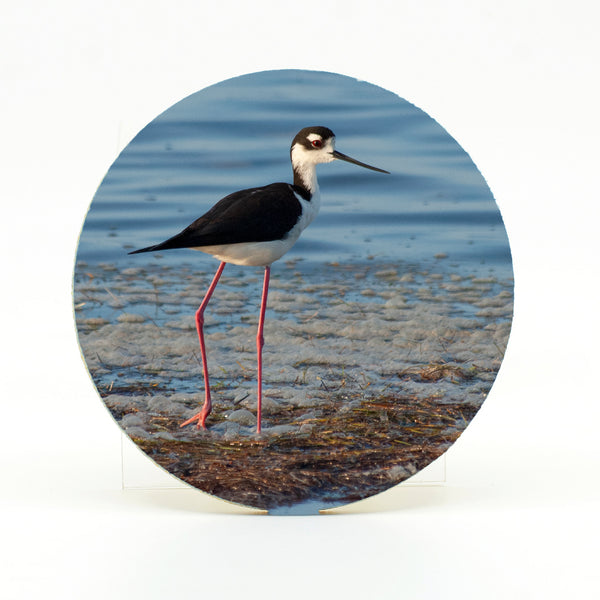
330,143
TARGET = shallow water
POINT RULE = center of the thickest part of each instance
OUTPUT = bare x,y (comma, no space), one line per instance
237,134
360,361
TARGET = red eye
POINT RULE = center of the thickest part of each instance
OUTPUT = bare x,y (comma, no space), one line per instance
317,143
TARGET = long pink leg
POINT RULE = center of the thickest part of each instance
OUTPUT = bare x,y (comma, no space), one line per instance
206,408
260,342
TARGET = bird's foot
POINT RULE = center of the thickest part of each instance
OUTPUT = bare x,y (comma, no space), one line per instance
200,417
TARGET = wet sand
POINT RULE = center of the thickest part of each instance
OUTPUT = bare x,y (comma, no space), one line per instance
370,371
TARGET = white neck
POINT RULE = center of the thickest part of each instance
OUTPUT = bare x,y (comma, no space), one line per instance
306,176
305,172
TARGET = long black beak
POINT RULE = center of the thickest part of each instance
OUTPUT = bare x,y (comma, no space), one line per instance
341,156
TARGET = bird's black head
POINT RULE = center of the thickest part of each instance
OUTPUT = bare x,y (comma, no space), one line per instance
313,138
314,145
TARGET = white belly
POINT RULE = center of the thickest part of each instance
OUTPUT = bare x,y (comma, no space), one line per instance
253,254
261,254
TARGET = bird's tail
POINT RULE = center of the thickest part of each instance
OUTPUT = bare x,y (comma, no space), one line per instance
147,249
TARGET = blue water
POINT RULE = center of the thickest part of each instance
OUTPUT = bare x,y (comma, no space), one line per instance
237,134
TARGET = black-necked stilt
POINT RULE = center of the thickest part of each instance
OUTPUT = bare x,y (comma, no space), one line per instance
257,227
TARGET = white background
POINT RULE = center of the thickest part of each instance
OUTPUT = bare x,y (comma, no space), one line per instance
515,83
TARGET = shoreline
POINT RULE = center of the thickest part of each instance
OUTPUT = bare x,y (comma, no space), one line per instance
338,342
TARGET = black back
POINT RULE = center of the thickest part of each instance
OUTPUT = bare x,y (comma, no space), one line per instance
261,214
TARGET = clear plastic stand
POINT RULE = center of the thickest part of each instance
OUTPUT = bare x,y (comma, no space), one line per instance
138,472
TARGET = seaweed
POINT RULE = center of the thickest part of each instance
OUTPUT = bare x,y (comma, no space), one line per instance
347,453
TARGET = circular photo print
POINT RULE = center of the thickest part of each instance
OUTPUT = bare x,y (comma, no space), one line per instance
293,290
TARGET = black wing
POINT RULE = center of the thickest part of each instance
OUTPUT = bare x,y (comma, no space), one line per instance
259,214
